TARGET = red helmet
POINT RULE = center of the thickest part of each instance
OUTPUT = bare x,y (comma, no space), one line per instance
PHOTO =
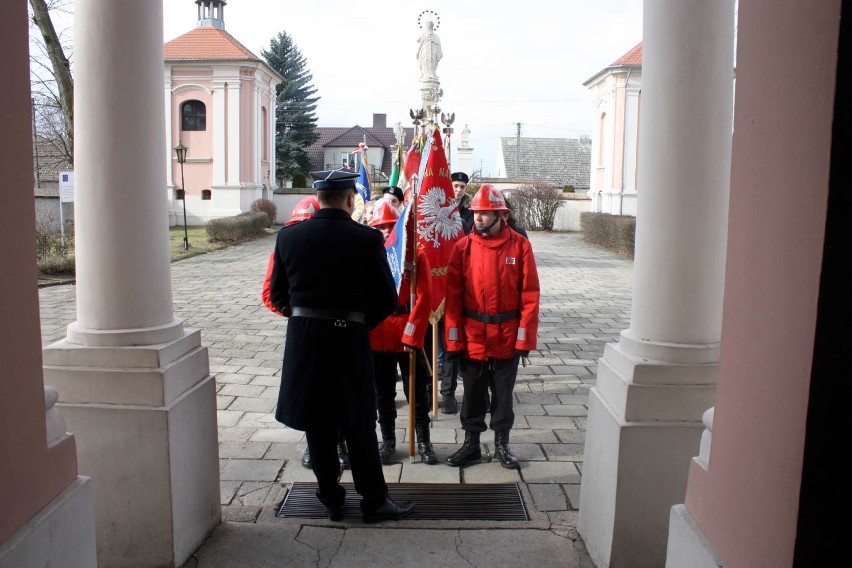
488,198
304,210
384,214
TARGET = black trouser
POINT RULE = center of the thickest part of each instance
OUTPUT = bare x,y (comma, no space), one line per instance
363,460
478,376
448,370
386,363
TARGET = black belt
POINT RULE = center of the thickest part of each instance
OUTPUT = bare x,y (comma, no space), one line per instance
492,318
406,309
338,315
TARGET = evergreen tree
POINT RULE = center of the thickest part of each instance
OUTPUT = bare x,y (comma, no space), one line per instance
295,121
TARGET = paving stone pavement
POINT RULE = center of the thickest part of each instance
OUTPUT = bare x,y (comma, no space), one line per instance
585,303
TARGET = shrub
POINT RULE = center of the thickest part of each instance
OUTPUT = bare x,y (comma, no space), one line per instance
267,207
535,205
299,180
57,265
612,232
237,228
568,188
48,242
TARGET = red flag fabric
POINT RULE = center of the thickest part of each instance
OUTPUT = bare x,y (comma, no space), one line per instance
439,225
411,167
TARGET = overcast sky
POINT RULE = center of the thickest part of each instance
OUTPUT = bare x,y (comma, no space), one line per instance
501,66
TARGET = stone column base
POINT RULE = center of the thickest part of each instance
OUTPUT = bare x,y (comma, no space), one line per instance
688,547
643,429
62,535
145,423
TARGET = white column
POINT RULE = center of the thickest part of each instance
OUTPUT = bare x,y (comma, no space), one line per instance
271,117
219,140
119,113
233,141
170,186
644,422
257,135
133,383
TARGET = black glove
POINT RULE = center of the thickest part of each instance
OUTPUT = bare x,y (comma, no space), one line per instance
522,352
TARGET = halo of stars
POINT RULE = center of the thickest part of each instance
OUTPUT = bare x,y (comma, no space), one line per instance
434,14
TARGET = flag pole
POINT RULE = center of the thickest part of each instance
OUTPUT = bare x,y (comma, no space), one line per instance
412,354
435,368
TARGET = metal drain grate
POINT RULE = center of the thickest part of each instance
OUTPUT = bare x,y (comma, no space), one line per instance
435,501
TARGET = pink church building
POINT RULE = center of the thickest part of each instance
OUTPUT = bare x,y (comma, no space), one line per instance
220,103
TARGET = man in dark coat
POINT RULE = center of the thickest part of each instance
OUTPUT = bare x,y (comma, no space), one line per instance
331,277
460,180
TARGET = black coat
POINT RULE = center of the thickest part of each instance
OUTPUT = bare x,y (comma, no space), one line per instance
330,262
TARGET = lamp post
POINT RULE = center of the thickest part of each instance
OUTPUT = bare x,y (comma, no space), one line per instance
180,151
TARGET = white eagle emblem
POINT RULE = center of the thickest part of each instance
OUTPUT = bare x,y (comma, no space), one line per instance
439,218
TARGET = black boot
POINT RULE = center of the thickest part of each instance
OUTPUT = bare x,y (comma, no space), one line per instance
388,447
469,453
342,451
502,451
424,446
306,458
449,405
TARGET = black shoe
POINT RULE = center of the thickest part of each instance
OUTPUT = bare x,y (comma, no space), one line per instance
449,405
469,453
336,514
306,458
386,451
502,451
390,510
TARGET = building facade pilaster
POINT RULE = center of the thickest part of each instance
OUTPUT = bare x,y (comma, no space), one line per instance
653,386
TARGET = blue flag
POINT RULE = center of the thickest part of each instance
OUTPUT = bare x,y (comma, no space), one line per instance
395,247
362,184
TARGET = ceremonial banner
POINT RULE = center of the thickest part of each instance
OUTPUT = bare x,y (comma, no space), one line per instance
439,224
362,184
410,168
395,246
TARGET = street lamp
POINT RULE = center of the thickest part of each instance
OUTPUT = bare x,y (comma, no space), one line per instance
180,151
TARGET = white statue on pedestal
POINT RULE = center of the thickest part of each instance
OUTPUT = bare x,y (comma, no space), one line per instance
429,52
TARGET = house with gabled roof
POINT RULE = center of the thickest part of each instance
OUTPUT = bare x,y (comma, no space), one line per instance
555,161
334,147
615,151
220,103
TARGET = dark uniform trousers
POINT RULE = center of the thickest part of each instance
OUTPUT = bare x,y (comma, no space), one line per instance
363,459
386,363
478,376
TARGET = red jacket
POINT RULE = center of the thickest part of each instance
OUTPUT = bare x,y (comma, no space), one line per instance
264,294
491,276
407,328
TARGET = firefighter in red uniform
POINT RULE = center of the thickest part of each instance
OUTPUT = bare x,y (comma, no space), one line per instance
404,330
491,322
303,211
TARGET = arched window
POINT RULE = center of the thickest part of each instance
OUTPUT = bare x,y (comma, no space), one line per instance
193,116
206,194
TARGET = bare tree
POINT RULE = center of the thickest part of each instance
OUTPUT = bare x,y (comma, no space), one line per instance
53,85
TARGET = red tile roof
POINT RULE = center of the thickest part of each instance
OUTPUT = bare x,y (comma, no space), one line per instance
632,57
207,43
